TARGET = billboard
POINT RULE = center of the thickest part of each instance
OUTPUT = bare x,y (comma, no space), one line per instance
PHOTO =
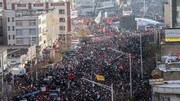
172,35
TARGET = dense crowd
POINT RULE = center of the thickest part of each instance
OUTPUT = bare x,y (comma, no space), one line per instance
62,81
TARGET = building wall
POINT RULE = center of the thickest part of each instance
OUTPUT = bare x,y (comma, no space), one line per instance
165,97
27,13
171,75
167,48
53,27
167,14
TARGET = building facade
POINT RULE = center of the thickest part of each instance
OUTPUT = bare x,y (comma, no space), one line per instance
54,25
21,21
172,13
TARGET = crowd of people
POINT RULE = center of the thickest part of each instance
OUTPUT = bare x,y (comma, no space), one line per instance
62,81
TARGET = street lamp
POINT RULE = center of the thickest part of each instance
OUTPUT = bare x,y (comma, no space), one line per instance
104,86
144,8
130,66
2,78
141,56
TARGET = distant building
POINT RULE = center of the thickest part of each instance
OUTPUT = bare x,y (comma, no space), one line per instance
54,25
171,13
21,20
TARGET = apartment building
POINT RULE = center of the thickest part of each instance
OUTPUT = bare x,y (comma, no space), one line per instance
21,21
54,25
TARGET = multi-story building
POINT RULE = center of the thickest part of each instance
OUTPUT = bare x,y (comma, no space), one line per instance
21,20
172,13
54,25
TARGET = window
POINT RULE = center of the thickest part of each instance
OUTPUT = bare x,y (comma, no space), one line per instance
9,37
12,19
39,21
18,23
43,21
62,28
32,23
13,37
40,38
61,19
8,19
40,30
0,4
38,4
19,32
9,28
32,31
12,28
33,40
61,11
19,41
18,14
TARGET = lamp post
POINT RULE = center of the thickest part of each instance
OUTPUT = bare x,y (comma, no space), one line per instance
144,8
130,74
141,56
102,85
130,67
2,78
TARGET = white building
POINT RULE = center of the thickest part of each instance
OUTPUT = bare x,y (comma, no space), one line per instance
21,21
172,13
54,25
167,91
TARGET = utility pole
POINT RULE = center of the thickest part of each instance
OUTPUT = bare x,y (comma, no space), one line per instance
2,79
144,8
130,67
142,76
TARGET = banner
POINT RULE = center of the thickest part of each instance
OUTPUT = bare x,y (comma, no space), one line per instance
98,18
74,14
100,77
172,35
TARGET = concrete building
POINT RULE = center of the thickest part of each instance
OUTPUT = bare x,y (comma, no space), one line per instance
172,13
168,91
167,86
54,25
21,21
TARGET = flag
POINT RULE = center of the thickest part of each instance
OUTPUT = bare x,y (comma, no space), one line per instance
44,89
109,20
85,22
71,76
121,67
178,54
98,18
100,77
105,14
